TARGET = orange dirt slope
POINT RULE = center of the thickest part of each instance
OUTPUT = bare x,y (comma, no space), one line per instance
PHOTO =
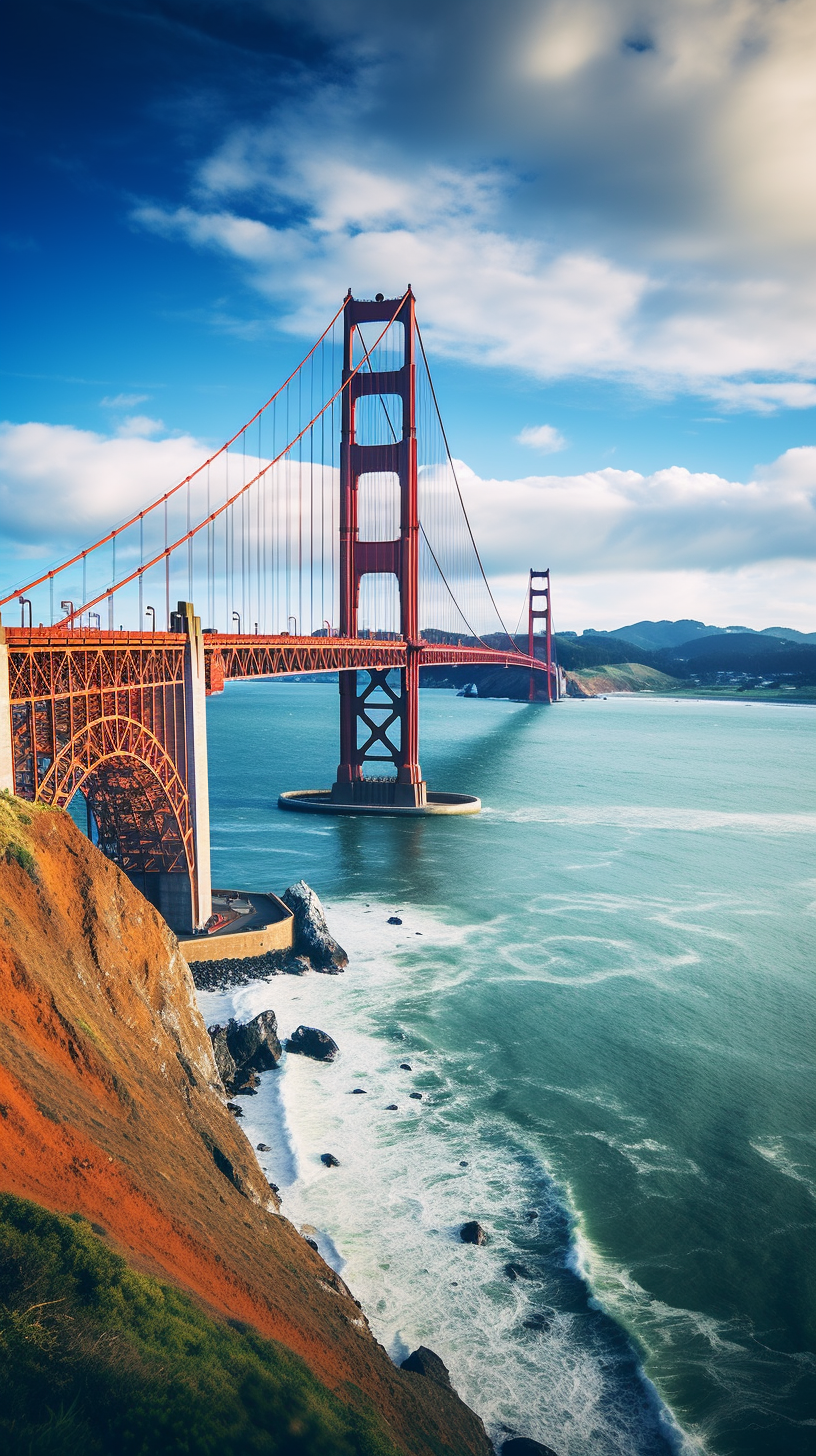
111,1106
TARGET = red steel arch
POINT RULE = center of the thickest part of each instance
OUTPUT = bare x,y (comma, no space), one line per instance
138,798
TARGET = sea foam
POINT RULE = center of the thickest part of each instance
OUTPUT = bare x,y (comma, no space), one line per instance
534,1356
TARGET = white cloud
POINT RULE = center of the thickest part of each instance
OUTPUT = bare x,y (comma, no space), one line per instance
621,545
489,295
123,401
139,425
545,438
651,215
61,488
765,398
618,521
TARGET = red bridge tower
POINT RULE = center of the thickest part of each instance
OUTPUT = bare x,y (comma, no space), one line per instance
370,717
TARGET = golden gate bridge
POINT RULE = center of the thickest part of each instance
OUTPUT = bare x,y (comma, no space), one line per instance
328,535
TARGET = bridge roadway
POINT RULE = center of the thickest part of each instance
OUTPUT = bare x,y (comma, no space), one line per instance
121,717
49,662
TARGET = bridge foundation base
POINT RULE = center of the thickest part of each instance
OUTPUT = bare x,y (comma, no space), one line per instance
322,801
170,894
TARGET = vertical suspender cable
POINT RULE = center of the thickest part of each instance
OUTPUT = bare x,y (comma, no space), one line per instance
166,574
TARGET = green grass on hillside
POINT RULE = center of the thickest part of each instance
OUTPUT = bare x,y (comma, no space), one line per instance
624,677
96,1358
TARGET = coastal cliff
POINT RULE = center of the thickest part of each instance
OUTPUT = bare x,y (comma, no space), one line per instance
112,1110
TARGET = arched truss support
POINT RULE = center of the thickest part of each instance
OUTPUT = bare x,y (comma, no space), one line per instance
136,795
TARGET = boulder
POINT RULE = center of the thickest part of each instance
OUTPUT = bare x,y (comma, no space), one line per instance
394,920
312,938
309,1042
541,1322
517,1271
473,1233
264,1148
224,1059
424,1362
297,965
330,1160
523,1446
254,1044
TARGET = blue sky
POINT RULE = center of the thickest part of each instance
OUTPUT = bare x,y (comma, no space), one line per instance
606,209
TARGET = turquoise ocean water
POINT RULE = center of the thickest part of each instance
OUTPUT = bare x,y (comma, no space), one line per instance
604,988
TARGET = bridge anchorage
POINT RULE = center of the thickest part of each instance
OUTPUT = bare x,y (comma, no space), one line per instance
274,530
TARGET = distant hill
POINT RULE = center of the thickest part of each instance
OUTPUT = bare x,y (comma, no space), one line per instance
595,650
653,636
711,658
742,653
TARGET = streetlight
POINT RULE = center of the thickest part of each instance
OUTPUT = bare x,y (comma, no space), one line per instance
151,612
292,619
91,616
69,608
327,624
236,617
25,602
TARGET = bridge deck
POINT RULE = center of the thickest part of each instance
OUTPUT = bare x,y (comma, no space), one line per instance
229,656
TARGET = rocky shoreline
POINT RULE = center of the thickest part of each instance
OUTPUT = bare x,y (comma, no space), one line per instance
243,1050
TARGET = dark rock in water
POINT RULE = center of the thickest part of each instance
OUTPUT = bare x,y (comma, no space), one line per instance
264,1148
394,920
224,1059
297,965
473,1233
312,1245
274,1187
330,1160
517,1271
358,1092
245,1091
531,1215
254,1044
463,1164
233,1107
424,1362
312,938
417,1096
406,1067
241,1050
307,1041
523,1446
540,1322
392,1107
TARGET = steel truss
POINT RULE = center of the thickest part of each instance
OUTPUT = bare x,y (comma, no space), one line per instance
104,713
